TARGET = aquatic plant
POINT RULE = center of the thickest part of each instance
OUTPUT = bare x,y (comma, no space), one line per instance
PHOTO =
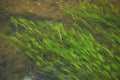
101,18
61,53
89,15
87,51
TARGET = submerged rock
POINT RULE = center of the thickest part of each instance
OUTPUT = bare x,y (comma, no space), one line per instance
33,76
27,78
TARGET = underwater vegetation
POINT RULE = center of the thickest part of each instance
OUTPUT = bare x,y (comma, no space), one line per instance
89,50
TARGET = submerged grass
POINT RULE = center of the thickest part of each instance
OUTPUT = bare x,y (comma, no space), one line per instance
65,54
87,51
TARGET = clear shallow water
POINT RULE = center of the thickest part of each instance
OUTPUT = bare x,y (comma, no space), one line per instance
13,65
